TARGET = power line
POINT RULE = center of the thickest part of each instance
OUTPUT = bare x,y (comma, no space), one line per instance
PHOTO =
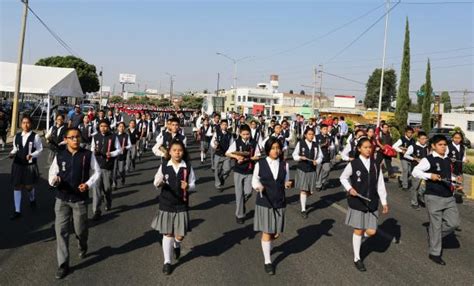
344,78
437,2
54,34
363,33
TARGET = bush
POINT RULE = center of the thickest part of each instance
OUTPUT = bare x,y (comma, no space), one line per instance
395,134
468,168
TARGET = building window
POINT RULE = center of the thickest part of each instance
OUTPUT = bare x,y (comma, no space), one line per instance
238,98
470,125
243,98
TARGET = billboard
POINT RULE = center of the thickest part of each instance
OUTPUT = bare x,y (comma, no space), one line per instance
344,101
127,78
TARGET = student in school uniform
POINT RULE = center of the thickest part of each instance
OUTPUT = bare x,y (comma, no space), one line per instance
55,137
332,145
73,172
311,125
456,151
95,123
323,169
151,130
243,169
401,147
375,147
86,130
255,134
414,154
106,148
143,129
385,138
134,138
271,176
364,182
271,128
125,146
298,126
176,178
205,136
278,134
443,212
221,142
349,152
308,155
164,139
285,131
27,147
118,116
110,117
215,125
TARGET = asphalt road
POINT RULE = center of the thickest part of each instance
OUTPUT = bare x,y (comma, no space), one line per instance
124,250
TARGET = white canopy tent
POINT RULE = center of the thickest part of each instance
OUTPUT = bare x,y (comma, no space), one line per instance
50,81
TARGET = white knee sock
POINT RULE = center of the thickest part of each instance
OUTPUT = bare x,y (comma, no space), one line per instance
267,248
167,248
303,201
177,243
32,195
202,156
17,198
356,243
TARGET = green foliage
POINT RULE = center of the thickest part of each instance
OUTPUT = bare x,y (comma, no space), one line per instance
161,102
426,110
191,102
389,93
395,133
468,168
86,73
420,99
403,98
116,99
350,124
446,99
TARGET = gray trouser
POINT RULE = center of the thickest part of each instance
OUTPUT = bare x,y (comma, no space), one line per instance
64,211
406,173
222,169
213,156
102,188
149,138
142,145
322,174
388,164
131,157
51,156
415,191
444,219
243,187
119,170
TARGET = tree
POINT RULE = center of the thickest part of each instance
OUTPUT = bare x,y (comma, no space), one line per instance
403,98
86,72
291,91
191,102
446,99
426,110
116,99
471,105
420,97
302,92
389,93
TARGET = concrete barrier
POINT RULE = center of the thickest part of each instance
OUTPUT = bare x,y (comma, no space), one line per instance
469,186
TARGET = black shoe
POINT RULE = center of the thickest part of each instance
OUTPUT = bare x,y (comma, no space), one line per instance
220,188
15,215
360,266
240,220
304,214
96,217
177,253
247,197
318,189
167,269
83,253
62,272
33,204
437,259
269,269
415,207
108,206
123,182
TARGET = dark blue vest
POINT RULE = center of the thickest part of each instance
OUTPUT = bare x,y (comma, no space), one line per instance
365,183
310,153
102,143
73,171
223,143
456,158
20,156
273,195
172,196
247,166
440,167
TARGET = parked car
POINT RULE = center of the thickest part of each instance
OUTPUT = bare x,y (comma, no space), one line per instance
447,132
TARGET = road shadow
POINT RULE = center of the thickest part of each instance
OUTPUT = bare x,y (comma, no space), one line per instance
305,238
380,243
326,201
203,180
120,194
213,202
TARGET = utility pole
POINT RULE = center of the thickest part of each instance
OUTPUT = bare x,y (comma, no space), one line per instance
383,64
464,99
18,71
218,79
320,84
101,84
315,71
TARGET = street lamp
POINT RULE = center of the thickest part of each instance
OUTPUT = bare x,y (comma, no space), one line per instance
171,87
234,61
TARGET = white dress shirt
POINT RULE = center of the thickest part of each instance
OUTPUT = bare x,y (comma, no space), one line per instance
274,167
285,144
318,156
38,145
419,171
129,143
411,149
94,167
399,143
347,173
159,174
159,142
214,142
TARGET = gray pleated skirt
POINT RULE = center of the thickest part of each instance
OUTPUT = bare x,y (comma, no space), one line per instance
305,181
204,145
361,220
176,223
269,220
24,174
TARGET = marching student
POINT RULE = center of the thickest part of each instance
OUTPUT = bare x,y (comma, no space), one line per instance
120,163
27,147
385,138
311,125
118,116
134,138
205,136
456,151
271,128
364,182
143,129
151,129
415,153
55,137
285,131
106,148
215,125
110,117
255,133
271,176
97,120
221,141
323,169
176,178
333,145
401,147
4,124
278,134
376,154
70,174
163,140
86,130
439,200
308,155
262,125
349,152
243,151
298,125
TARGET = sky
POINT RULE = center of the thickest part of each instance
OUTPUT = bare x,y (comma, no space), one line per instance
287,38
